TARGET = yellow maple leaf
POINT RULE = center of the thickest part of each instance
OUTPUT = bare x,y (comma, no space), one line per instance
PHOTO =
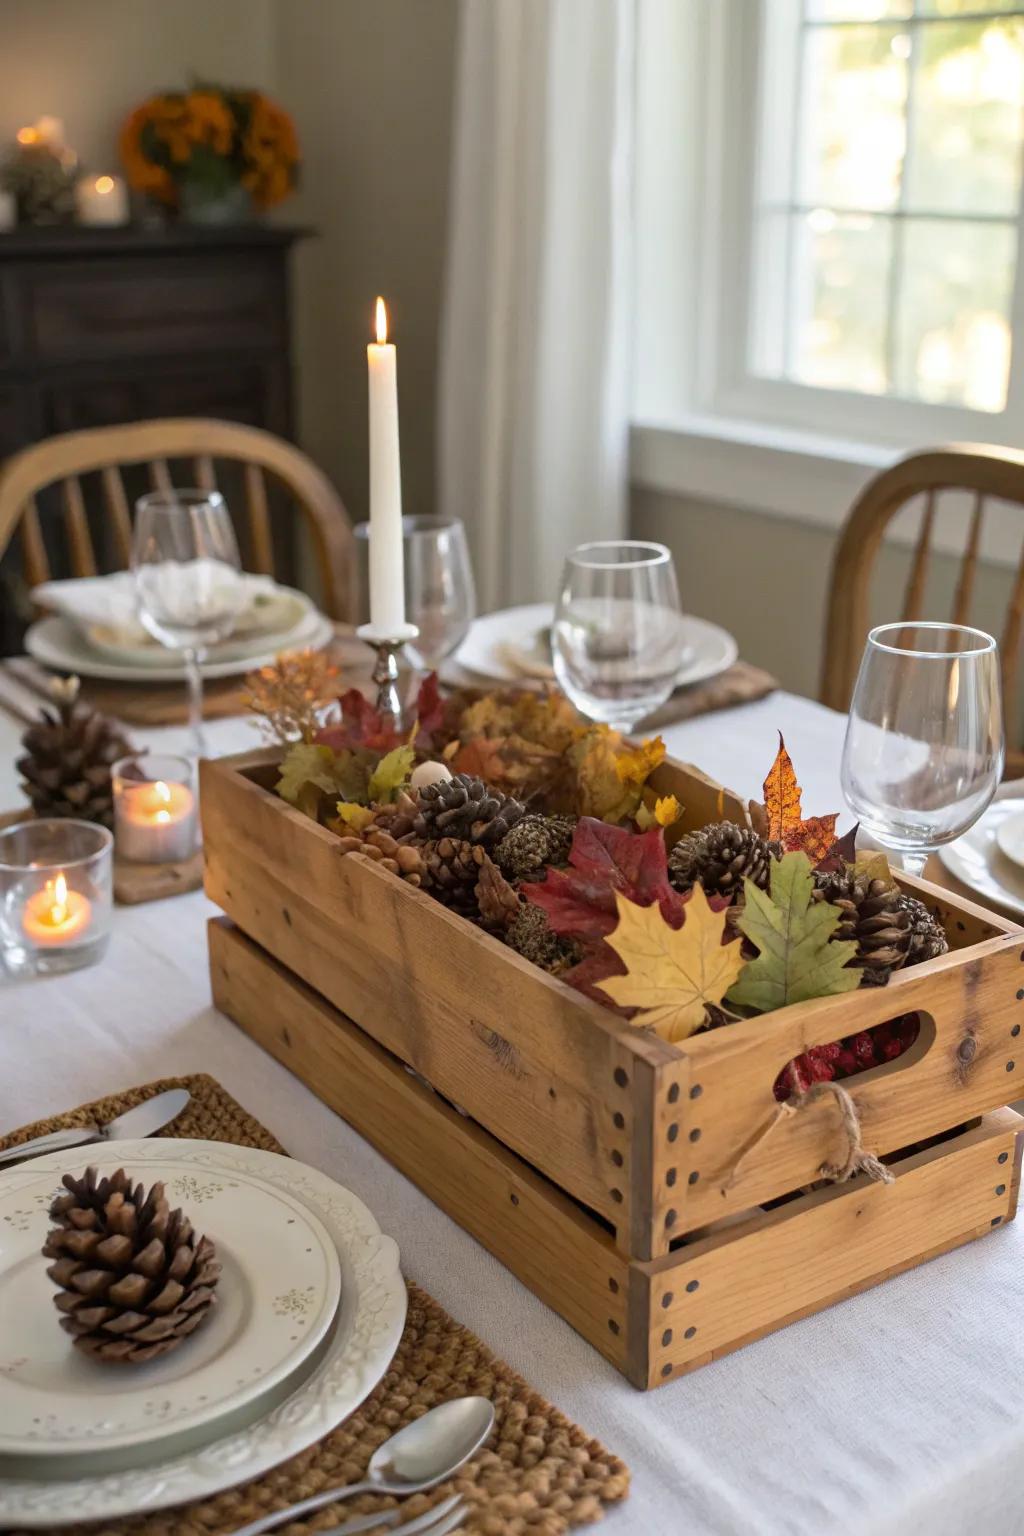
673,973
611,774
665,811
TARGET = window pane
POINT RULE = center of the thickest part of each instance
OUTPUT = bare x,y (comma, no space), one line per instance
839,301
857,10
853,133
964,7
953,333
966,121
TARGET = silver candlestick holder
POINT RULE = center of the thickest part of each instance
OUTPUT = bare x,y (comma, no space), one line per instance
385,669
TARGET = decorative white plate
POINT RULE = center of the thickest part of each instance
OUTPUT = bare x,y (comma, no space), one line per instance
360,1347
273,618
56,643
505,646
977,859
276,1299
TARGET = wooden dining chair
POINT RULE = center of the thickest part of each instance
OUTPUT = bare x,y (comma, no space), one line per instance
986,474
263,461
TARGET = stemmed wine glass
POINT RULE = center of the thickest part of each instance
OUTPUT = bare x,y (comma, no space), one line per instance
440,596
188,581
924,745
617,643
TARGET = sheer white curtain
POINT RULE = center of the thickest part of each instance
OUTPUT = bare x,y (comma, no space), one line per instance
535,335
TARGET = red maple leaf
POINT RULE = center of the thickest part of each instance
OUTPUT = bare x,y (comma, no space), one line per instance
430,716
361,725
580,902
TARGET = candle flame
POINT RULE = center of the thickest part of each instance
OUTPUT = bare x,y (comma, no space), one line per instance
161,791
27,136
382,322
104,184
57,890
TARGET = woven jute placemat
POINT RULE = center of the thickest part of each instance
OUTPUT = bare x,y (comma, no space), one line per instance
539,1475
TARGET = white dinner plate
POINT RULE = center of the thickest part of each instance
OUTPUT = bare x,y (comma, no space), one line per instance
271,619
277,1296
977,859
1010,837
507,646
56,643
359,1347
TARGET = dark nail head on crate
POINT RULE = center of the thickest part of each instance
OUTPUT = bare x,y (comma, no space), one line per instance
689,1333
617,1157
673,1131
694,1176
666,1338
1010,1066
695,1133
1000,1189
618,1120
696,1091
1015,1031
996,1220
620,1077
666,1370
613,1285
1003,1157
673,1093
666,1300
967,1048
670,1177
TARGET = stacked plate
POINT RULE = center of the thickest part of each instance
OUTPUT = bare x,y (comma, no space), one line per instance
93,630
516,644
311,1306
990,857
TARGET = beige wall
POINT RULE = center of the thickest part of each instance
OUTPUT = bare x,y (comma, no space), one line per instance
766,579
90,61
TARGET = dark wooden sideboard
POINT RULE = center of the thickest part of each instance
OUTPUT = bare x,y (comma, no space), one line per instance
99,326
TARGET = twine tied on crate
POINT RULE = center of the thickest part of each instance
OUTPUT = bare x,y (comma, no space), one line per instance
858,1159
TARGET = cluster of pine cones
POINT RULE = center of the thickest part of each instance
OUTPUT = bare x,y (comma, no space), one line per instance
468,845
890,929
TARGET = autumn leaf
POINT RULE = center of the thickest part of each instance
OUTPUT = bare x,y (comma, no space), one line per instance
842,852
605,860
665,812
310,770
786,825
430,716
354,816
361,725
390,774
797,957
673,974
611,774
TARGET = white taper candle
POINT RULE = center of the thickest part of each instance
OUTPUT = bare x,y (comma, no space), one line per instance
387,575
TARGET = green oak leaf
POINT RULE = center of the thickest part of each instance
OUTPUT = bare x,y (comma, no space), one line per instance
390,774
797,958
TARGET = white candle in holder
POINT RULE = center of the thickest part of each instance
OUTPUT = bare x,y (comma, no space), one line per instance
101,200
387,576
155,820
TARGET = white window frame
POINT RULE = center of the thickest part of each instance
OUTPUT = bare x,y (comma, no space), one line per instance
703,425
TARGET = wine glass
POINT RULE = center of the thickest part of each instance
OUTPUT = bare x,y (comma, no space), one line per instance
617,641
188,581
440,596
924,744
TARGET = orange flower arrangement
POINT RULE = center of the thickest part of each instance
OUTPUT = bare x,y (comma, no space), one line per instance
210,139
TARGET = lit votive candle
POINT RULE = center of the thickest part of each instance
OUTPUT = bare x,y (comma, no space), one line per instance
155,819
56,914
101,200
55,895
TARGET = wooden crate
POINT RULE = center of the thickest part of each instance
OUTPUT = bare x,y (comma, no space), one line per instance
630,1146
712,1291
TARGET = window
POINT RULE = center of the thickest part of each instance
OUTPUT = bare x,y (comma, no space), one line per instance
847,216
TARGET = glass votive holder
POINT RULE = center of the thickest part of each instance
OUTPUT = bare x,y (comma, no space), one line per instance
156,809
56,895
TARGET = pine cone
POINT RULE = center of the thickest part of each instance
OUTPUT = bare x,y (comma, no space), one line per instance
534,843
927,935
134,1279
399,818
720,857
531,937
451,870
496,900
873,917
399,857
68,756
466,809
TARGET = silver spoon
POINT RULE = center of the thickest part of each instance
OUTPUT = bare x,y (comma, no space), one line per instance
146,1118
420,1456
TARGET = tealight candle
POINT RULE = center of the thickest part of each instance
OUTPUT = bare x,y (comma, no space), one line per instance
56,914
155,818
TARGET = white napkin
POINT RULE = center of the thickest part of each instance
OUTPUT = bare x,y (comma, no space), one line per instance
110,603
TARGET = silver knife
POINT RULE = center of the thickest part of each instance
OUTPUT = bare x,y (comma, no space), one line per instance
144,1120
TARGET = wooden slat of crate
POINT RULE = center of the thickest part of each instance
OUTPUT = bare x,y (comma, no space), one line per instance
559,1079
752,1276
568,1260
969,1058
724,1290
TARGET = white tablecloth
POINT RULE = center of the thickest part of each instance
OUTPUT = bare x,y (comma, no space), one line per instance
897,1411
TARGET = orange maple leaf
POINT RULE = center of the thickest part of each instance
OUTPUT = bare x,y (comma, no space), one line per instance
782,795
